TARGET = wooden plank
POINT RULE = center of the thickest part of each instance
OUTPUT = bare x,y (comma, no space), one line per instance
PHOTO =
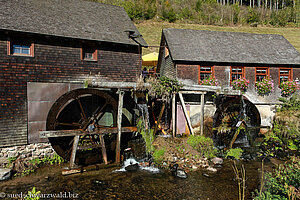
104,155
159,118
74,149
63,133
192,92
173,115
202,115
119,126
185,114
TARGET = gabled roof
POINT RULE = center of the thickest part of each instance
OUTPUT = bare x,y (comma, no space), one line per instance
68,18
230,47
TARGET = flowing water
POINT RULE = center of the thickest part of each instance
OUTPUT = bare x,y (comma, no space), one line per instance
113,182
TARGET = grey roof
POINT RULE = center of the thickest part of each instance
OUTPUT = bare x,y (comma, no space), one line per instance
68,18
229,47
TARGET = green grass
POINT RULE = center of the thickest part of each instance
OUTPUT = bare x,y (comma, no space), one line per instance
151,31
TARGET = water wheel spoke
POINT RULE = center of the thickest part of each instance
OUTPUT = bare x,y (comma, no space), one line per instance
68,124
82,113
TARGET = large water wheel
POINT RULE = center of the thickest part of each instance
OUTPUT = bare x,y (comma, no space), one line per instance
81,109
232,116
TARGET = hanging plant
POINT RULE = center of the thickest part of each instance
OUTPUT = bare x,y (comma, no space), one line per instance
212,81
163,87
288,88
265,86
241,84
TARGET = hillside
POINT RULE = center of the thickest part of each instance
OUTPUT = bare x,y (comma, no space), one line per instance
151,31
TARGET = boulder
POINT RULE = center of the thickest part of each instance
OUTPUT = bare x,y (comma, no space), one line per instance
5,173
217,161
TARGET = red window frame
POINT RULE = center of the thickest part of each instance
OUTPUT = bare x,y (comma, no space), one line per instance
89,51
242,73
289,74
259,73
205,71
21,43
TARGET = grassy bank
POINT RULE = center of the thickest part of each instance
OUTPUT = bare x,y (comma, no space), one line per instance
151,31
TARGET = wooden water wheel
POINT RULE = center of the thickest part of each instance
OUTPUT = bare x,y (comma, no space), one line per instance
230,116
86,110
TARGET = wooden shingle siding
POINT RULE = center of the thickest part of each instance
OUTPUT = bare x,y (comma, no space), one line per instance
55,60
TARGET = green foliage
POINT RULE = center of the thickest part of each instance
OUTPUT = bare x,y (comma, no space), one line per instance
147,135
253,16
139,9
283,183
163,87
33,195
202,144
291,104
235,153
279,18
158,156
169,15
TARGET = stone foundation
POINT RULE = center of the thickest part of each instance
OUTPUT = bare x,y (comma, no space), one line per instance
31,151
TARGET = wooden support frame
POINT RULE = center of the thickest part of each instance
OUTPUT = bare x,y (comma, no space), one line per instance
119,126
174,115
159,118
73,154
202,115
185,113
103,148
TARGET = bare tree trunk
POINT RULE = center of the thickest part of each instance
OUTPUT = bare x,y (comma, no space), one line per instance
282,4
250,4
266,4
241,2
270,4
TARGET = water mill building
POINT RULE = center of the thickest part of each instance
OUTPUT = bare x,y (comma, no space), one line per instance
49,52
194,55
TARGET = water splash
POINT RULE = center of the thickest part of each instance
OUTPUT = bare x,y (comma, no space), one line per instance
132,161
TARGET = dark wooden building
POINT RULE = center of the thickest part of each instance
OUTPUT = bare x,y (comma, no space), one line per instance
193,55
48,48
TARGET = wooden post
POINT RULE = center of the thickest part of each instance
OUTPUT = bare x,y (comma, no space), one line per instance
202,115
185,114
74,149
119,126
103,148
173,115
159,118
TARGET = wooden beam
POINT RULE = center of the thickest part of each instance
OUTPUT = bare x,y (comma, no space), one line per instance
192,92
202,115
119,126
159,118
173,115
185,114
74,149
63,133
104,155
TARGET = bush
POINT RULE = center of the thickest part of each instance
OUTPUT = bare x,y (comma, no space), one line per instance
253,16
202,144
264,87
283,183
288,88
234,153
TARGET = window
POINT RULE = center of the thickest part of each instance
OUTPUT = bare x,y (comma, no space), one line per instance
89,54
205,72
285,74
20,48
236,73
261,73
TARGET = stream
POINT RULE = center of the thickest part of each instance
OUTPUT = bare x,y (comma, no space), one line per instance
110,182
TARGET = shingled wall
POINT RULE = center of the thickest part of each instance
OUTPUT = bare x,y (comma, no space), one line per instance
55,60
